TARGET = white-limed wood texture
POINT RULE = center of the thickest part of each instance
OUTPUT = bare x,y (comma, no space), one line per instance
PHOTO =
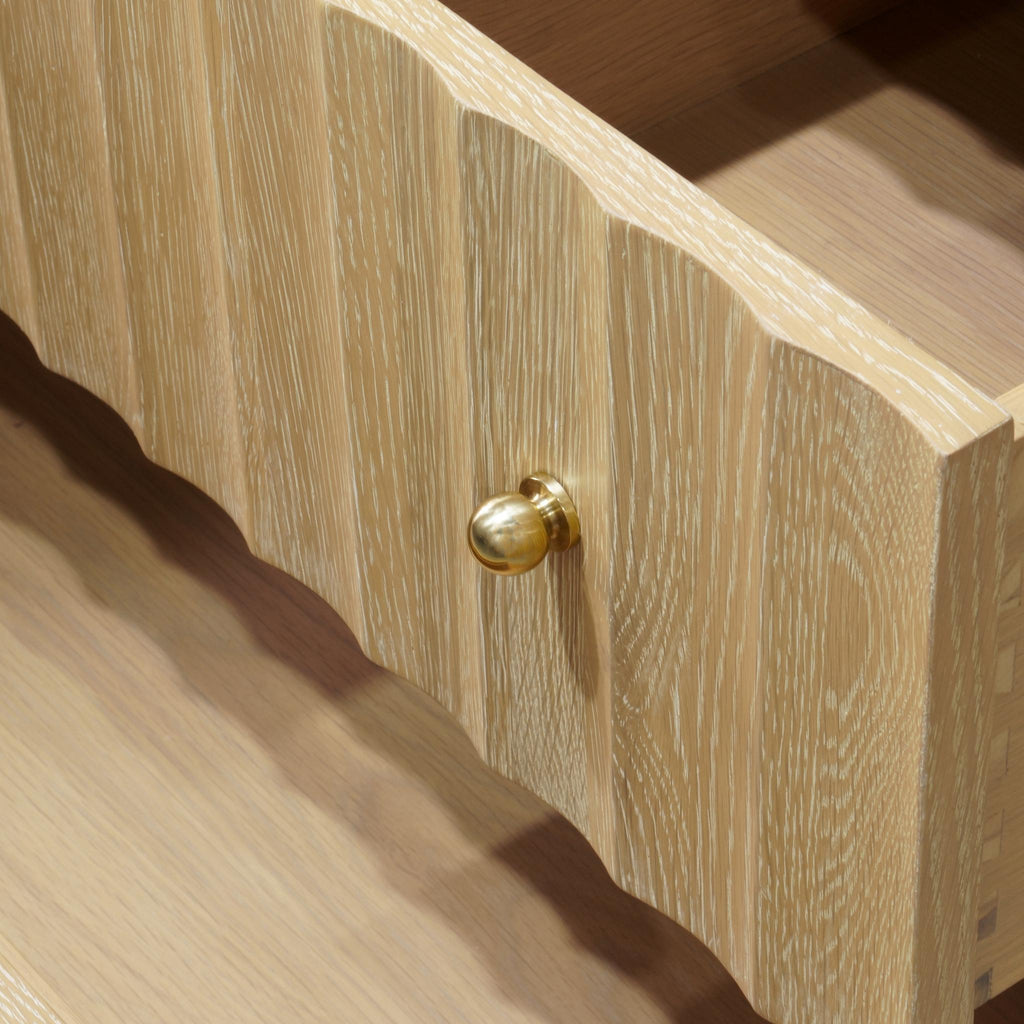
761,685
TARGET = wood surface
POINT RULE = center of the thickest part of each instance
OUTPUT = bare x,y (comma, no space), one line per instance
892,161
630,62
1000,956
236,690
217,810
432,274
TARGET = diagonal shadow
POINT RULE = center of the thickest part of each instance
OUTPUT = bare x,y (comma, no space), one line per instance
965,58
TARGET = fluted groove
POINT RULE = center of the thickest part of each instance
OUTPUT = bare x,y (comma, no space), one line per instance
63,179
269,124
393,148
17,293
685,583
538,381
168,222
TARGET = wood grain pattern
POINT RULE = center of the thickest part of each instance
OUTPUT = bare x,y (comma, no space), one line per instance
630,62
270,139
440,274
16,292
539,397
216,809
60,173
686,605
396,214
1000,953
171,248
451,864
808,737
892,161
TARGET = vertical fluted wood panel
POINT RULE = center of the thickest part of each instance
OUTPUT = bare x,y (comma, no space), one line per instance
168,218
687,378
17,295
538,345
760,684
55,108
269,121
395,157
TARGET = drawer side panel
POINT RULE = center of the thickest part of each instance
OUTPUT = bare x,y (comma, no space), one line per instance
999,957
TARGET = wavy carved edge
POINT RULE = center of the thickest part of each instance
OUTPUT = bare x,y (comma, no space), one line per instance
956,440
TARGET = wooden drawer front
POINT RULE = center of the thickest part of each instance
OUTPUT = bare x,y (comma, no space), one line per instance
351,269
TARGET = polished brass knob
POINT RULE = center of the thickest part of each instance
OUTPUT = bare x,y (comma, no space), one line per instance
511,533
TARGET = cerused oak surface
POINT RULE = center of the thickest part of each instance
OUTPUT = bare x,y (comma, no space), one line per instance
351,268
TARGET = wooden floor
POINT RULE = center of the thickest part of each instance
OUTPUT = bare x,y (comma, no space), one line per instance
214,808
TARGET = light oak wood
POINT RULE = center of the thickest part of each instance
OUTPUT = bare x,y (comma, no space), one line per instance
892,161
1000,956
432,273
627,62
216,809
478,872
158,124
16,292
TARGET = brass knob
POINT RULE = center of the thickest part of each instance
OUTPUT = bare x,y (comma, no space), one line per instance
511,533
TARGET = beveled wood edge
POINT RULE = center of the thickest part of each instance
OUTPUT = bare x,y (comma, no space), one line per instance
999,959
